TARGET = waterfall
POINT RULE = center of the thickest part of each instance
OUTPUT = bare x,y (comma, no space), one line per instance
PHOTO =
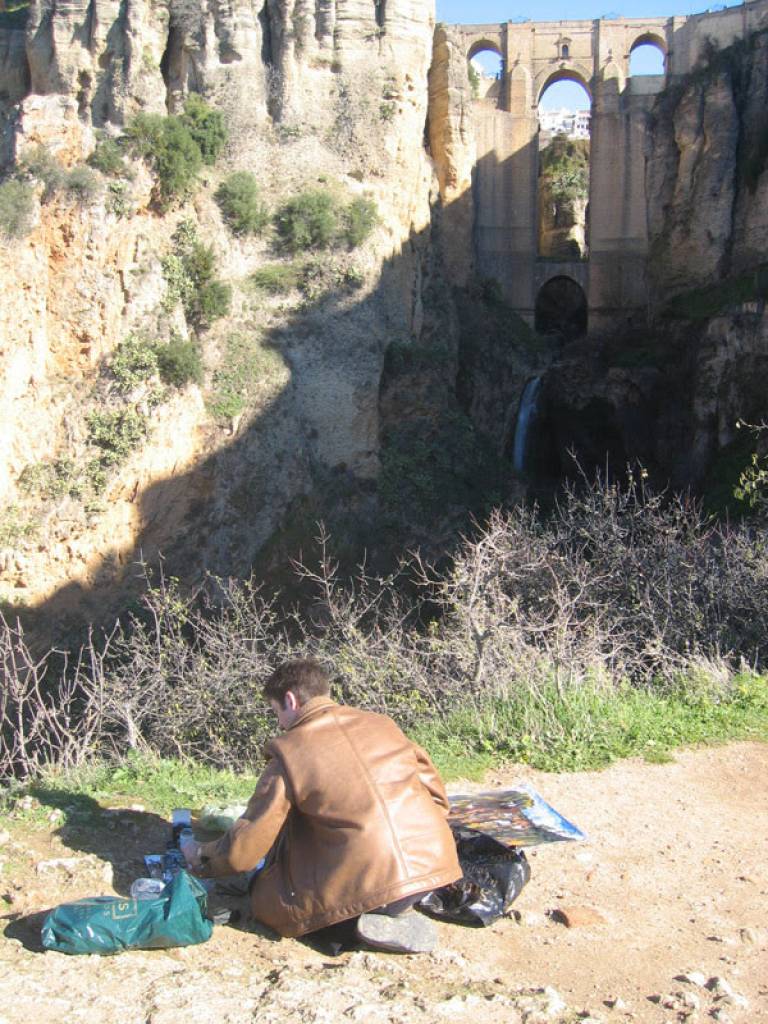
525,416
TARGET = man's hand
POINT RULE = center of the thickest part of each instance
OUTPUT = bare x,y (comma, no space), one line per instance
190,850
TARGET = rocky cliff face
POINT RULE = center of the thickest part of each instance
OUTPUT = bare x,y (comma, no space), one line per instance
330,96
707,185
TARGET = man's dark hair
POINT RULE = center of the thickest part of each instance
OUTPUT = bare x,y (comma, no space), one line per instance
305,677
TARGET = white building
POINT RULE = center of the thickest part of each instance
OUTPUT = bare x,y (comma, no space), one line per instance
573,123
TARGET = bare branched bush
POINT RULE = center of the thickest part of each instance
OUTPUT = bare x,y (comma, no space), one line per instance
185,676
615,586
43,724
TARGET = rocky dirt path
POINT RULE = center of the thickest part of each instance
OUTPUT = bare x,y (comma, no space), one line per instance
672,885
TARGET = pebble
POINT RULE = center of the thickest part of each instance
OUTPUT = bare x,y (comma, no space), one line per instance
616,1004
68,864
719,987
749,935
720,1015
5,837
696,978
578,917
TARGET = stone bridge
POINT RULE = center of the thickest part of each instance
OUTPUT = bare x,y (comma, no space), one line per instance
596,54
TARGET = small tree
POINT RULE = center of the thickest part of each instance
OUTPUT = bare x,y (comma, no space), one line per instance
206,126
308,221
168,145
241,205
753,481
107,157
179,362
360,218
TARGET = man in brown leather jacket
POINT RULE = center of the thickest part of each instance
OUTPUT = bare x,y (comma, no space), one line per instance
351,816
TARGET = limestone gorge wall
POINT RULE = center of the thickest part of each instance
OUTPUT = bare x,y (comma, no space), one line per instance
330,96
378,384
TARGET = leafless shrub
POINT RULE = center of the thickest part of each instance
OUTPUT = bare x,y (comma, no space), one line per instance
45,725
185,676
615,585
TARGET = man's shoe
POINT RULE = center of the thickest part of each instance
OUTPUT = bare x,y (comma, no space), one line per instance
408,933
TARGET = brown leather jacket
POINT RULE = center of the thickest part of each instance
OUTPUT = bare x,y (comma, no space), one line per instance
357,814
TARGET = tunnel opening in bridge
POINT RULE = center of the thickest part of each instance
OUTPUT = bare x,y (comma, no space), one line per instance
564,112
561,309
647,56
485,67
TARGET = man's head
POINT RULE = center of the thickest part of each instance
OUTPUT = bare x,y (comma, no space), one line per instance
292,684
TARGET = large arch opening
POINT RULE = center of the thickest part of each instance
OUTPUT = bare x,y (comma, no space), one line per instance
485,68
647,56
561,309
564,111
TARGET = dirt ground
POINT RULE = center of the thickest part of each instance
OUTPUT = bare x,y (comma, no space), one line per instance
675,868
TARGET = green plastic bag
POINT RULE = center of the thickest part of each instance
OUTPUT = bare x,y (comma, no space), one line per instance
107,924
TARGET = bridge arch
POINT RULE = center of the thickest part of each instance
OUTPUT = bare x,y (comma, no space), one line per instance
561,308
481,45
650,38
565,73
645,45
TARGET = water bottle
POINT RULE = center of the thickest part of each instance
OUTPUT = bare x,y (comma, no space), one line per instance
181,820
147,888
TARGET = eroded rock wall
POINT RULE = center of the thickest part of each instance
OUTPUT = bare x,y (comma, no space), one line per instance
706,181
329,96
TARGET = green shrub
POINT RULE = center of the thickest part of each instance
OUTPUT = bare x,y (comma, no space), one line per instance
51,480
133,362
209,302
83,184
241,205
117,432
308,221
43,166
15,526
206,126
188,270
277,278
17,203
474,80
564,168
360,218
118,199
168,145
179,362
107,157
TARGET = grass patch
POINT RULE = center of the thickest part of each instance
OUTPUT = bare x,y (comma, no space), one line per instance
277,278
589,727
583,729
160,784
245,363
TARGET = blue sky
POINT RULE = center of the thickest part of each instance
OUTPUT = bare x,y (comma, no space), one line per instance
488,11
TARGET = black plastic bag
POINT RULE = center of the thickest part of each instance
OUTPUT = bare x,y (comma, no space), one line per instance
494,876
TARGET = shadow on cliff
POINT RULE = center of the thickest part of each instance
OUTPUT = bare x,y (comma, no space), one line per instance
370,408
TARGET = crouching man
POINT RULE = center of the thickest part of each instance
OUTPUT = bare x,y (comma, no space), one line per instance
351,816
